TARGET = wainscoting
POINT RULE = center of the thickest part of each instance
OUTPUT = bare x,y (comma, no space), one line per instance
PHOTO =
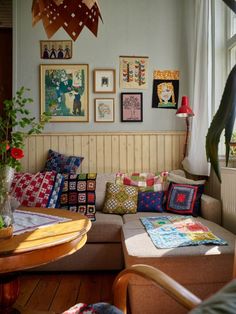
109,152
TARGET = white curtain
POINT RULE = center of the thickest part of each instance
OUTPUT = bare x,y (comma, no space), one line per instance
195,162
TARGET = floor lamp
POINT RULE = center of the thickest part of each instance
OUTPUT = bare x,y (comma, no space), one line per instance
185,112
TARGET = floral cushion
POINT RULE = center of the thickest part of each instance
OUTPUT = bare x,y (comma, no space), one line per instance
96,308
150,201
78,194
62,163
120,199
37,190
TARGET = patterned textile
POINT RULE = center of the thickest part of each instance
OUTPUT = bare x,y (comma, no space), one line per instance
120,199
145,181
184,199
174,231
96,308
37,190
78,194
150,201
61,163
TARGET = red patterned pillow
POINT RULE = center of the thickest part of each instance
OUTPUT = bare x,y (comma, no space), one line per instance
37,190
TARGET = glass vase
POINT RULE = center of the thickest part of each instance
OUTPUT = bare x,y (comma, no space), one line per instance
6,214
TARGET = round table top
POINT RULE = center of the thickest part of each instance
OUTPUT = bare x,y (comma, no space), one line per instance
43,245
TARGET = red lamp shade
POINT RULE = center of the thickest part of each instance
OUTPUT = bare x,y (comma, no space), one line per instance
184,111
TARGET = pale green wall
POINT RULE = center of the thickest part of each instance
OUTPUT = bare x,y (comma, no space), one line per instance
154,28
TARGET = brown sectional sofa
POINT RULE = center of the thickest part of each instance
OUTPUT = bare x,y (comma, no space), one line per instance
115,242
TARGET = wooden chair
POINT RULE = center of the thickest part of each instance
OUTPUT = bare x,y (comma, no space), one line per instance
160,279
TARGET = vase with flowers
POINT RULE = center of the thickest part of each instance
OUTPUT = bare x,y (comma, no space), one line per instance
15,125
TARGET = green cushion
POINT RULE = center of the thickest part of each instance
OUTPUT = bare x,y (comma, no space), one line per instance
224,301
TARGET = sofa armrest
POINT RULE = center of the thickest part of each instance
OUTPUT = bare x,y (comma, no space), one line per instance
211,208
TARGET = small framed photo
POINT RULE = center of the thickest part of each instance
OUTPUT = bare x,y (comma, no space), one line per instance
56,49
104,110
131,107
104,81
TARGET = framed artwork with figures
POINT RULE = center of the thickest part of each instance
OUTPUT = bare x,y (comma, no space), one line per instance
104,109
64,92
131,107
104,81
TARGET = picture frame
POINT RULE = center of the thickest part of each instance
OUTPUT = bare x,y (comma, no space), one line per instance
131,107
56,49
104,81
64,92
104,110
134,72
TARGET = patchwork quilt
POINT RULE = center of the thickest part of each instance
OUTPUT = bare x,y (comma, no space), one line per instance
175,231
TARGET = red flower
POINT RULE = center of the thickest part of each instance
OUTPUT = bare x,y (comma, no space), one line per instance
17,153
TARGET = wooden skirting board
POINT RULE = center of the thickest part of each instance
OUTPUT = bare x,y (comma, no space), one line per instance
106,152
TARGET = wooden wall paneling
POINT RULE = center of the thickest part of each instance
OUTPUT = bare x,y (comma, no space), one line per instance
32,159
153,153
181,146
107,154
168,152
145,146
55,143
85,153
40,154
175,152
92,153
100,154
130,153
160,152
24,161
138,153
115,153
122,155
69,145
77,142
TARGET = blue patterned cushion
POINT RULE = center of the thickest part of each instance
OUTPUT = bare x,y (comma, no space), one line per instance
150,201
61,163
182,199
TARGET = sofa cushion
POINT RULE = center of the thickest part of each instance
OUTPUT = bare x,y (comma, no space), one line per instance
120,199
62,163
102,179
150,201
106,228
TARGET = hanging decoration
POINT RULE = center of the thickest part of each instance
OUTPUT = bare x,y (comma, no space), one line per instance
71,15
165,89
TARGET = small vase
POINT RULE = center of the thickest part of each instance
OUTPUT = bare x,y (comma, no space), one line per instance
6,214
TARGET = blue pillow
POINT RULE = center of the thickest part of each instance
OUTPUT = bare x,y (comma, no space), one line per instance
150,201
61,163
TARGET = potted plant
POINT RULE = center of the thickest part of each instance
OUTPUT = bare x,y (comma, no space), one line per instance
15,125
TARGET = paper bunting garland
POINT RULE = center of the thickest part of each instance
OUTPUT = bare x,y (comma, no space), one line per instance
71,15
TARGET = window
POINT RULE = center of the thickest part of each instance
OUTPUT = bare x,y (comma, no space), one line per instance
231,39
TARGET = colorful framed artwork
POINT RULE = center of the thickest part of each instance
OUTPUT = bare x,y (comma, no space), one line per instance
131,107
134,72
64,92
104,110
56,49
165,89
104,81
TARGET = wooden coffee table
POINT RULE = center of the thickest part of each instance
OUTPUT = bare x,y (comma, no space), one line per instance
38,247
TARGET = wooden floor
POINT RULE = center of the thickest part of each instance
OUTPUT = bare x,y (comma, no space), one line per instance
56,292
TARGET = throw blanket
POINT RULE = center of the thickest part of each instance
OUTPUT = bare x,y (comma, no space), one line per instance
174,231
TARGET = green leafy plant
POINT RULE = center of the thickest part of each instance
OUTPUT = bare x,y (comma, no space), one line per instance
17,115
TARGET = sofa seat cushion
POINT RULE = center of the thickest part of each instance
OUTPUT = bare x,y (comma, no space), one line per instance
203,263
106,228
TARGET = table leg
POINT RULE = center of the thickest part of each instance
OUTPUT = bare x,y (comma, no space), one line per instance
9,291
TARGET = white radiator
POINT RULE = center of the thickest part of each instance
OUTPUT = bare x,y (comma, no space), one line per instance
228,196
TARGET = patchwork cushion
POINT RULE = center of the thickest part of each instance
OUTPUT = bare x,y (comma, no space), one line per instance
145,181
120,199
78,194
184,199
150,201
62,163
37,190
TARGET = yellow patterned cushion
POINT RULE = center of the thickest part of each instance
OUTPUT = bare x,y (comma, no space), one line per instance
120,199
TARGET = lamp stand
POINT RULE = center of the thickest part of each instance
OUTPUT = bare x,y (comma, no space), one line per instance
186,138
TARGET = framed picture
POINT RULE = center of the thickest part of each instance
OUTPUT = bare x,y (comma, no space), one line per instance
165,92
131,107
134,72
104,110
56,49
104,81
64,92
